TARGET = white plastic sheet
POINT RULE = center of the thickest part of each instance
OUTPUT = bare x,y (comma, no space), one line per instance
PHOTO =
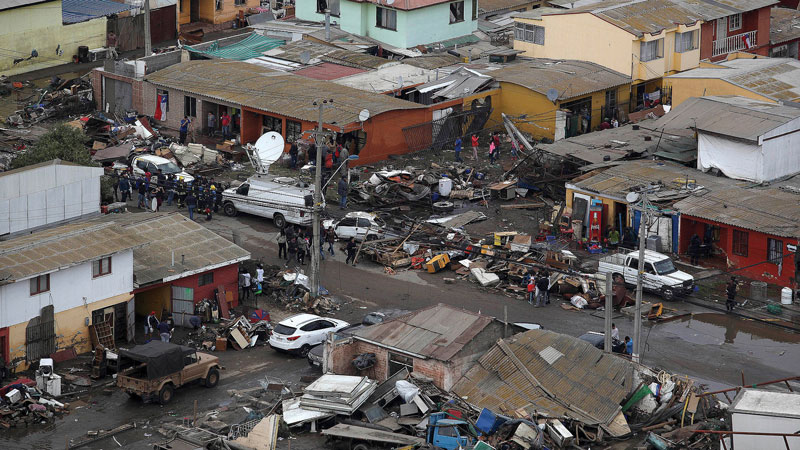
406,389
736,159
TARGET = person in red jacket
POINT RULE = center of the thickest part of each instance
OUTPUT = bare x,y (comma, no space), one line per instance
475,147
225,121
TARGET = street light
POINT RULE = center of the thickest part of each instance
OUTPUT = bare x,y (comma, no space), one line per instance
349,158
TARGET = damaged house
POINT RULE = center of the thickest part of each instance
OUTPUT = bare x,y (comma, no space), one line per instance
440,342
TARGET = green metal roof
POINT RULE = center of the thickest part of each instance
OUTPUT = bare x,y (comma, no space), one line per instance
250,47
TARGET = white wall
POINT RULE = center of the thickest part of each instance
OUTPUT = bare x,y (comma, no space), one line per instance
736,159
46,195
764,424
69,288
781,155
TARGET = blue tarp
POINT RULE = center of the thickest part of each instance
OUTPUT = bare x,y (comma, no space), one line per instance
74,11
250,47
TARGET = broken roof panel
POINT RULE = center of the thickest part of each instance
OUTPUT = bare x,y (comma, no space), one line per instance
438,332
580,380
569,77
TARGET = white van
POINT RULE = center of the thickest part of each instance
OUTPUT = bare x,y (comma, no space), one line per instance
284,200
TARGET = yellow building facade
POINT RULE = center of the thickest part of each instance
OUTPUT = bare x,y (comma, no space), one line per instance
212,11
39,27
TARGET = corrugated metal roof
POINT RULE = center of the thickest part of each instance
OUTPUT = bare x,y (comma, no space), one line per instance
732,116
11,4
769,211
388,78
251,46
61,247
784,25
488,6
289,95
74,11
438,332
583,383
310,52
200,248
569,77
774,78
327,71
433,61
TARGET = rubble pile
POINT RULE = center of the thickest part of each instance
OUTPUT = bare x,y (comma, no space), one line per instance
22,404
62,98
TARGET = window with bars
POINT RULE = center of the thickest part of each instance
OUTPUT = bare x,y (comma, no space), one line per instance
685,42
386,18
527,32
774,251
272,124
651,50
740,241
101,267
40,284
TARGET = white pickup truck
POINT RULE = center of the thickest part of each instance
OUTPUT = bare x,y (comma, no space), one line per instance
660,274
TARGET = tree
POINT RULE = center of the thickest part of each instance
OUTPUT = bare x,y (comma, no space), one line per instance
63,142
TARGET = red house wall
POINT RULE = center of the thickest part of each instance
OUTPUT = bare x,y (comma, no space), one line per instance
227,276
758,19
756,267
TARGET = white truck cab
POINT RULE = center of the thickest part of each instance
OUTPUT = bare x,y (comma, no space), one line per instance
660,274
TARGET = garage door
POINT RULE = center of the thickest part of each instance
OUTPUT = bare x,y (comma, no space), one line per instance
182,305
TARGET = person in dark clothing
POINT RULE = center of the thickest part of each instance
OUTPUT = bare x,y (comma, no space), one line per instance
542,284
708,241
181,191
142,194
191,204
330,237
282,244
291,247
170,188
694,249
730,289
351,251
124,188
341,189
312,154
164,331
184,129
293,154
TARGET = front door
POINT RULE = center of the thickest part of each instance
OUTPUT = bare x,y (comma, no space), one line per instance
722,28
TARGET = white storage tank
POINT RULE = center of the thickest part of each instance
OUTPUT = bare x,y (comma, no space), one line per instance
445,186
786,296
761,411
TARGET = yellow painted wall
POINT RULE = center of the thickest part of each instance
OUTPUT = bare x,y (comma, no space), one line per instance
184,12
685,88
229,9
70,327
39,27
156,300
597,41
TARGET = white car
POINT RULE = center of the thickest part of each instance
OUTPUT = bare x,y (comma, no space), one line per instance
357,225
302,331
151,163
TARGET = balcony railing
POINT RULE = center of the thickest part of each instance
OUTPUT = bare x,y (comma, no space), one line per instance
734,43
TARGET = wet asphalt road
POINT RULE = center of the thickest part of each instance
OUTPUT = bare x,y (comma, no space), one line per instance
713,348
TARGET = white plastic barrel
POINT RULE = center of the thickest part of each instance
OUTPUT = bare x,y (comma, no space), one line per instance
786,296
445,186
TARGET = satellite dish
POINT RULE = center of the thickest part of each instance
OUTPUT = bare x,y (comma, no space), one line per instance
632,197
363,115
305,56
268,149
389,2
552,95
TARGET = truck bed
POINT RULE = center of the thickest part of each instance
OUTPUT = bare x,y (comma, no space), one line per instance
368,434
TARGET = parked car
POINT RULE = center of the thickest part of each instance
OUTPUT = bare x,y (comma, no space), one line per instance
299,333
660,274
280,199
359,225
151,163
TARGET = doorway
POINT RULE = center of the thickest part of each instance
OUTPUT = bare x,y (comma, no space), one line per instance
182,305
194,10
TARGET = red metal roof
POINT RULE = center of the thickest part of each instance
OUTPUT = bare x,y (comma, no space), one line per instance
327,71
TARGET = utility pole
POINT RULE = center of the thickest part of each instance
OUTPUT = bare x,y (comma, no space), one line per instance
148,46
609,311
637,320
315,209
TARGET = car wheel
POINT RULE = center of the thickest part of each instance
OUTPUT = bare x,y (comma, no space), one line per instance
279,220
668,294
229,209
166,394
212,378
362,447
304,350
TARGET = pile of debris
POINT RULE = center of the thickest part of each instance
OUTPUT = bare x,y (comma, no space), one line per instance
337,394
239,332
61,98
23,404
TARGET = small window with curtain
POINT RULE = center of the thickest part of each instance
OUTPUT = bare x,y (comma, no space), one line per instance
685,42
101,267
774,251
40,284
456,12
740,239
651,50
386,18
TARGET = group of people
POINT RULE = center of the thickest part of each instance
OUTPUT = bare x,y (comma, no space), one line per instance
160,328
201,194
251,285
225,120
494,148
295,244
538,287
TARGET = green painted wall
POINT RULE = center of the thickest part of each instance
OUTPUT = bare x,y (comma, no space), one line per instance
39,27
432,24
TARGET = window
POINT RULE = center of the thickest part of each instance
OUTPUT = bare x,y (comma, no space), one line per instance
272,124
740,239
450,431
651,50
348,222
685,41
311,326
219,5
190,359
735,22
398,362
529,33
633,263
456,12
386,18
189,106
206,278
180,5
101,267
781,51
40,284
364,223
293,131
239,2
331,5
774,251
474,9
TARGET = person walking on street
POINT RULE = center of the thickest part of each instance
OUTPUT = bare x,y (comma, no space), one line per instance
730,289
302,248
184,129
341,189
322,232
244,283
541,286
330,236
458,149
282,245
351,251
142,190
475,147
531,290
492,152
191,204
259,273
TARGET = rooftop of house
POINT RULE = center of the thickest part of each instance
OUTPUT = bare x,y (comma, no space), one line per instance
250,85
327,71
391,77
407,5
309,52
11,4
52,162
74,11
729,116
438,331
489,6
569,78
775,78
61,247
784,25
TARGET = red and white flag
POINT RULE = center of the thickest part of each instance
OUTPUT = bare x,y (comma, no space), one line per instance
746,40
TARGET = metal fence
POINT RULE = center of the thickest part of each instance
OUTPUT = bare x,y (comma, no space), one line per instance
441,133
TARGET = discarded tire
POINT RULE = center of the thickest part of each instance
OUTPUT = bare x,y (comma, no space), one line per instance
443,206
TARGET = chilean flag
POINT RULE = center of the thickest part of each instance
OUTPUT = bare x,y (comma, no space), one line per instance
161,108
746,40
